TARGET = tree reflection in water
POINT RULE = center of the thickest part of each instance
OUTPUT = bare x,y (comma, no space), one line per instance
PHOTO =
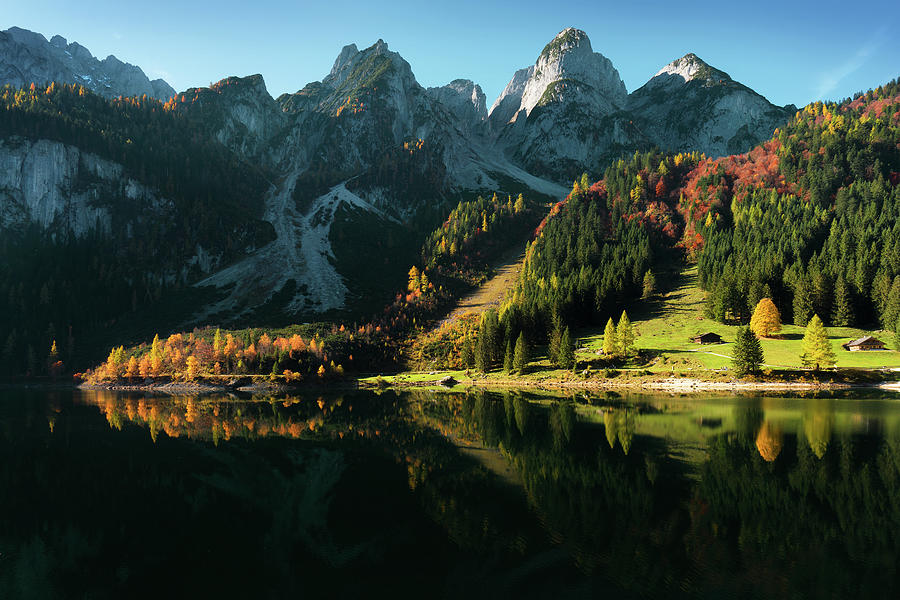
790,499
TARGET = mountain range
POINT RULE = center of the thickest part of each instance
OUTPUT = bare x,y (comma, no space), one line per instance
366,154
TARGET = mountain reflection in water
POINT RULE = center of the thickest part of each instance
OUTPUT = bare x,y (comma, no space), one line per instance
447,495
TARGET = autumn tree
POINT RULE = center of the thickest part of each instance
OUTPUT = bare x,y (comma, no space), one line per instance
192,369
610,341
649,286
625,335
817,350
520,204
766,319
748,355
415,279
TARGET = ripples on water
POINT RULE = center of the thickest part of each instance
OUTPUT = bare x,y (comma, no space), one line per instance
422,494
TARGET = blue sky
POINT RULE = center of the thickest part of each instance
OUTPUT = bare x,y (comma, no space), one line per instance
790,52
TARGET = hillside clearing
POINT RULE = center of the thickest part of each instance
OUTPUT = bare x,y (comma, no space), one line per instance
665,325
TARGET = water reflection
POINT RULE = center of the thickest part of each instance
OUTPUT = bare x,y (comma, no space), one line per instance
464,494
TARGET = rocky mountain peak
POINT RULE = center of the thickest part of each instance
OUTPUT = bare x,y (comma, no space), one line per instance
567,61
27,57
464,99
690,67
567,40
344,58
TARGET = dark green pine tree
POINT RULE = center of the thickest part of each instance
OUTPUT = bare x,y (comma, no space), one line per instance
897,334
803,304
566,351
520,359
553,346
842,316
467,354
891,311
748,354
508,356
482,353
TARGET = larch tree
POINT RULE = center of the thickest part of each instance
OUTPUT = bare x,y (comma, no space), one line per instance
610,341
520,204
625,335
415,279
649,287
817,351
766,319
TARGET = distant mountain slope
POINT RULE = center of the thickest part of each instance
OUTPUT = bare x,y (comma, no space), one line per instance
27,57
562,116
689,105
810,219
570,112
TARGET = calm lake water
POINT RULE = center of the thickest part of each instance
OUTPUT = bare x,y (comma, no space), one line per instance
456,495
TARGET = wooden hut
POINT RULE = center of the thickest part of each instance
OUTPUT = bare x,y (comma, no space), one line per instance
707,338
864,344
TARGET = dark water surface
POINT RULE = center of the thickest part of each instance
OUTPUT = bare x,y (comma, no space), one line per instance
432,495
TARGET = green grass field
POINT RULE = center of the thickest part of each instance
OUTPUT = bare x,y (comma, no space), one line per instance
666,323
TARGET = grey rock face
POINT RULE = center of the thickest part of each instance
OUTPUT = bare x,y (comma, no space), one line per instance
27,57
465,100
558,117
689,105
66,190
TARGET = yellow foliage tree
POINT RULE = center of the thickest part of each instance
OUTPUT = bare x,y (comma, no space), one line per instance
131,370
144,366
193,368
766,319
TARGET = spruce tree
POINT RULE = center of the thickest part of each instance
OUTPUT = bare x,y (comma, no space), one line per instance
817,350
508,356
553,347
892,306
897,335
842,316
482,354
748,354
520,359
610,341
466,355
625,335
803,306
566,351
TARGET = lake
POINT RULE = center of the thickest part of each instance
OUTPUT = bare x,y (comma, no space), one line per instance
448,495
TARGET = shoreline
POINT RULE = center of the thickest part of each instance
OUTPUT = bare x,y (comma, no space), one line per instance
677,385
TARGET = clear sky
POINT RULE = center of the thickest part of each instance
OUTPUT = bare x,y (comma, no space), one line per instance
789,51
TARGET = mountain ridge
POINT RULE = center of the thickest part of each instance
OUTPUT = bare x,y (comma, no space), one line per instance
27,57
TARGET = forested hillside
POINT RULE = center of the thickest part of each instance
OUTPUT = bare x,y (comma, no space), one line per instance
58,283
810,218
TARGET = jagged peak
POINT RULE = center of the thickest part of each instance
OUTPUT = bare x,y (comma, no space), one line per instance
690,67
351,59
565,41
25,36
346,55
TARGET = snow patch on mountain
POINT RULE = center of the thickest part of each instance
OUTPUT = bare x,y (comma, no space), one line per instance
27,57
